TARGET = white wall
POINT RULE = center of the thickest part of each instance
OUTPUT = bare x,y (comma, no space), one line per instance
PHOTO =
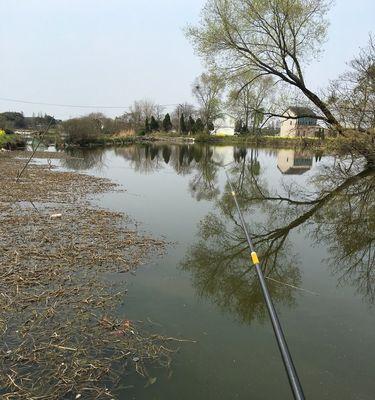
224,126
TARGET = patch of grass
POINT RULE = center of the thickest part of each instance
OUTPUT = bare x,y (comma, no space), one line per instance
11,142
6,140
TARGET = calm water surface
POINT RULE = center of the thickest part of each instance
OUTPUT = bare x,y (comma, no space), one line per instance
315,231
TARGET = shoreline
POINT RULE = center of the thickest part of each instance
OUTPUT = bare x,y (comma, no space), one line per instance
360,144
328,144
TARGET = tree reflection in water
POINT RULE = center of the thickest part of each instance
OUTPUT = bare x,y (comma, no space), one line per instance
83,159
345,222
339,212
204,184
335,207
184,159
220,260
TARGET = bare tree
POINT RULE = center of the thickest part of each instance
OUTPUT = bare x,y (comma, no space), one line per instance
187,109
159,112
140,110
267,38
248,101
208,90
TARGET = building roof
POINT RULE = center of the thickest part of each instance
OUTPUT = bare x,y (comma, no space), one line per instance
302,112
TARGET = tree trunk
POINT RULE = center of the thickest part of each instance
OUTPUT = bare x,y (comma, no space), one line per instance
323,108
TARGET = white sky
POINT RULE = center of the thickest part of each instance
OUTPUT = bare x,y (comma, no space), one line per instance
112,52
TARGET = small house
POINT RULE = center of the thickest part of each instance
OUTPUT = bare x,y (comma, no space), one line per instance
224,126
299,122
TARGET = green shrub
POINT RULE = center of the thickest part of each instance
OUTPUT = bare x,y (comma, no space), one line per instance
81,131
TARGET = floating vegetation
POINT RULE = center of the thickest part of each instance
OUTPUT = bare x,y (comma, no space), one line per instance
59,336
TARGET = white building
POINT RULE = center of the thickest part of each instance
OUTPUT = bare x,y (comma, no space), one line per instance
224,126
299,122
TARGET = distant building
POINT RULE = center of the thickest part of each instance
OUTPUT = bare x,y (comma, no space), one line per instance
300,122
291,162
224,126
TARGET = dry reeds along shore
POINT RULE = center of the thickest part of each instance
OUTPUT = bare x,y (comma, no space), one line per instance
59,336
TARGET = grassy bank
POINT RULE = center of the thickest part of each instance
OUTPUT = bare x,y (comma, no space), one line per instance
11,142
268,141
272,141
354,141
125,140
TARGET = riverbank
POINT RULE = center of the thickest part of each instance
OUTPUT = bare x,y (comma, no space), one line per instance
328,145
60,334
271,141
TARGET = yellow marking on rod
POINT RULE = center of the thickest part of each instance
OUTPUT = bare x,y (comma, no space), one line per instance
254,257
233,193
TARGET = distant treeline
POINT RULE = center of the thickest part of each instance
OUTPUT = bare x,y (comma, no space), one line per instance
144,117
11,121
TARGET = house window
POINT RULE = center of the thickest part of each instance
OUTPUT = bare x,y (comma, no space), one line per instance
291,122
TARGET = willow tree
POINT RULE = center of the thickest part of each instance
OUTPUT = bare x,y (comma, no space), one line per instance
267,38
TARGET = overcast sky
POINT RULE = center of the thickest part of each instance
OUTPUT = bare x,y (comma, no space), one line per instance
112,52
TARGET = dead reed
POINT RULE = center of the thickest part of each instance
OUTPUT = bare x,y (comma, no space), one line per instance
59,336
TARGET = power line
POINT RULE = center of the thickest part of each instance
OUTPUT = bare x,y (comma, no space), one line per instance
75,105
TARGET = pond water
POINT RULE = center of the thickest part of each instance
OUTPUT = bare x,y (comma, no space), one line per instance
313,221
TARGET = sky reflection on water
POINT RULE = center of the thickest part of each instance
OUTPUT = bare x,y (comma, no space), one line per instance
313,220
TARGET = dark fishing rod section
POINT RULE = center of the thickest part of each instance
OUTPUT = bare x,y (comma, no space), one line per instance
294,381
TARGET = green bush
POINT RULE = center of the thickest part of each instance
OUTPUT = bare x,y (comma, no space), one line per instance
81,131
11,142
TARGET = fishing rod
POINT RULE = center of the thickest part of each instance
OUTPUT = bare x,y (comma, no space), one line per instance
294,381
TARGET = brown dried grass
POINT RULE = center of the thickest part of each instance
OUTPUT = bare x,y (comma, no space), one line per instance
59,334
